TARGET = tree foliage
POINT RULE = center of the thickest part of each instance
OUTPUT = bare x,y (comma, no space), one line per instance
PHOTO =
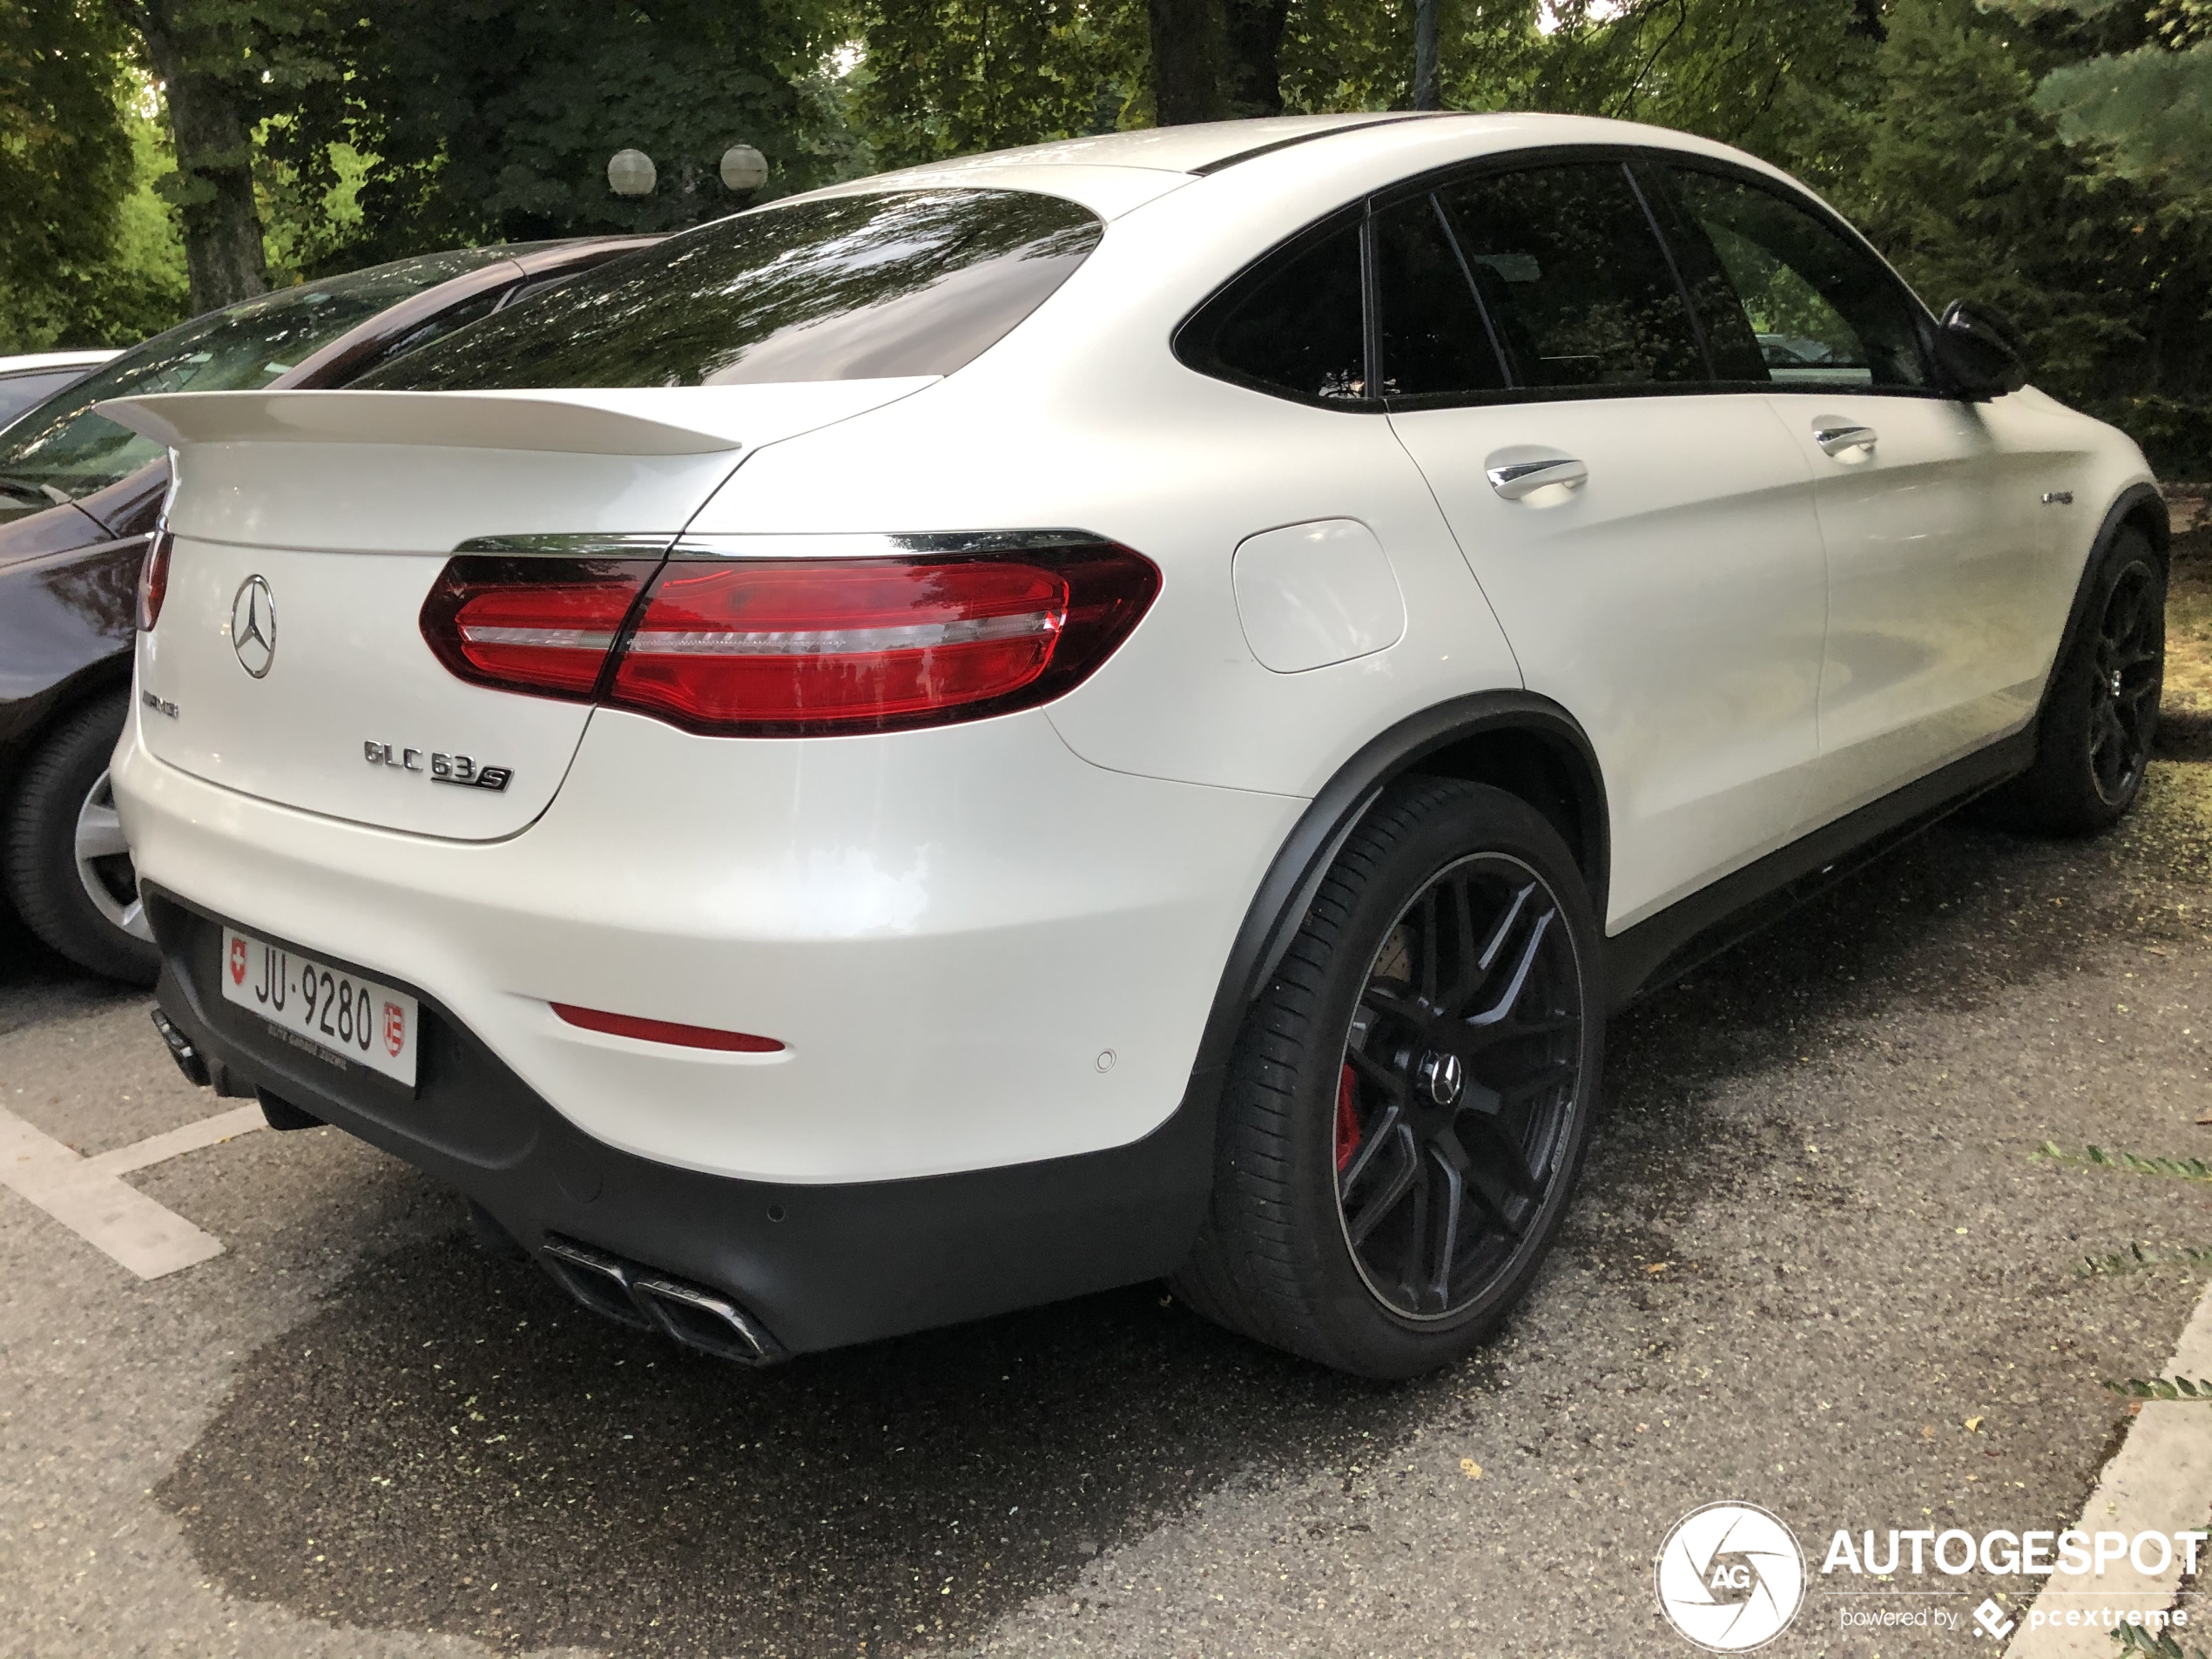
2052,158
1972,188
88,251
480,120
944,77
65,169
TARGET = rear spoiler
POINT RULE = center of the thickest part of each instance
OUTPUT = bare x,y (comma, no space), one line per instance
608,421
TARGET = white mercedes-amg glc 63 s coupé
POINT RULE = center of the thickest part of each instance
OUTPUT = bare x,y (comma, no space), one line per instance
1119,709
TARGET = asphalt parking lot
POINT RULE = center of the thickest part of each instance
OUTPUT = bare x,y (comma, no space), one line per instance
1817,1264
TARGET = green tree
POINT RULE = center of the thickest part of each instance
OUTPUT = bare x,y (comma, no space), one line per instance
473,120
64,161
88,255
1970,189
222,66
944,77
2150,106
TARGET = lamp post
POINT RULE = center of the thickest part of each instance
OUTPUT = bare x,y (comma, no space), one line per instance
630,172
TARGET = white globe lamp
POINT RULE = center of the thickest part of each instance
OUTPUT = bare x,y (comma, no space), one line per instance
744,168
630,172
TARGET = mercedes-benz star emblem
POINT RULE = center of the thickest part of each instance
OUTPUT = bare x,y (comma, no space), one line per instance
253,627
1442,1075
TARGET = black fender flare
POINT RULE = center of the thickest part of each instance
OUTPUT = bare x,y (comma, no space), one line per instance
1277,908
2128,504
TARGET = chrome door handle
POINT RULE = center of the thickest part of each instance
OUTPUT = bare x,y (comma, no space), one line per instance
1836,440
1517,479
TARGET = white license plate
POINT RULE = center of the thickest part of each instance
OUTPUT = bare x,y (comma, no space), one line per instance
317,1008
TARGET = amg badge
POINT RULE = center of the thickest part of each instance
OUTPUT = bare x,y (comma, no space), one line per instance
441,769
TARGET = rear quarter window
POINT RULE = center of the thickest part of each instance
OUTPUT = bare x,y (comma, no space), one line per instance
1293,324
854,288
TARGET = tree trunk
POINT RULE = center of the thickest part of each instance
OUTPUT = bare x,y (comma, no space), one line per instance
1428,92
1187,51
214,186
1253,80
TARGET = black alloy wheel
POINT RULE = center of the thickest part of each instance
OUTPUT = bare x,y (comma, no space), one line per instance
2099,713
1460,1075
1405,1108
2130,668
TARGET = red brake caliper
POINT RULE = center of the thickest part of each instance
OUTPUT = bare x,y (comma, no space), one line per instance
1347,1119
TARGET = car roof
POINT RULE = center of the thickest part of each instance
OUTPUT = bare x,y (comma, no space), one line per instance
1198,147
1113,173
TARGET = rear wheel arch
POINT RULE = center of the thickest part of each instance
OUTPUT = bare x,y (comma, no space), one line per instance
54,708
1523,744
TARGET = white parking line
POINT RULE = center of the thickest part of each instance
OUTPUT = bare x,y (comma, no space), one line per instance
159,1149
89,1196
2160,1480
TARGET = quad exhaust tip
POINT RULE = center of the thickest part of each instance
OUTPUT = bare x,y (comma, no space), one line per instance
189,1060
650,1300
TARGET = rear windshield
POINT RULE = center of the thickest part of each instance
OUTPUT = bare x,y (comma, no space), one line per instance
855,288
62,450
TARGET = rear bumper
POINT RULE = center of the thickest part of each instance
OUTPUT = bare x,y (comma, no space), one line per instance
816,1265
979,950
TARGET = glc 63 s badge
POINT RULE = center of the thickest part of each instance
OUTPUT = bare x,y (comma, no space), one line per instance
441,768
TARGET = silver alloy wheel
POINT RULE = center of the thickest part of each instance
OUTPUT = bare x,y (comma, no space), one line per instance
104,862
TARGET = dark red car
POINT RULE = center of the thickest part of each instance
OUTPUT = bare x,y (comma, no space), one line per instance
79,497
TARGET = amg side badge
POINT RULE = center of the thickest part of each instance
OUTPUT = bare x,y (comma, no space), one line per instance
460,770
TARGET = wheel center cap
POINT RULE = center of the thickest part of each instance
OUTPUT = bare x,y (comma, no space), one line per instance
1442,1077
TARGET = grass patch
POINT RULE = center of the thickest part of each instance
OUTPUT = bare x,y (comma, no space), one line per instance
2188,626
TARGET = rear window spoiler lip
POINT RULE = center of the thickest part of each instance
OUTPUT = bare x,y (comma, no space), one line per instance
618,421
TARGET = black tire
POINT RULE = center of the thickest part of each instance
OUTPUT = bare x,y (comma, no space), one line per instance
2100,712
44,879
1359,1021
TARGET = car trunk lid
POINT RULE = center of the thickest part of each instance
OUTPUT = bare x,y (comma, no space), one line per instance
288,661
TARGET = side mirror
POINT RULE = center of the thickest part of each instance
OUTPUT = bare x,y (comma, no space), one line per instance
1979,352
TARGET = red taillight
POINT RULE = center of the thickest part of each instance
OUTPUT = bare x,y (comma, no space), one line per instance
154,581
532,624
684,1036
837,646
797,646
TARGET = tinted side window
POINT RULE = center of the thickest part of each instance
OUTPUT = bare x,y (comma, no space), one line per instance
63,444
916,282
1574,278
1787,300
1433,336
432,328
1292,322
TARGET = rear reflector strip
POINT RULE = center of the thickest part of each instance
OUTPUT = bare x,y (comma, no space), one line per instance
683,1036
847,642
544,638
